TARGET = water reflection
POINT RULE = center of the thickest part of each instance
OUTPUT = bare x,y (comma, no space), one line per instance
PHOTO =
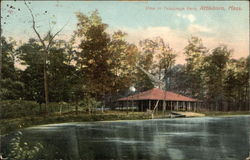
176,139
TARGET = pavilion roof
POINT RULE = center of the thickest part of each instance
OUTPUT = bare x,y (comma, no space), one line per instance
158,94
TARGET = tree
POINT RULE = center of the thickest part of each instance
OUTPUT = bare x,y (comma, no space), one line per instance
8,59
179,80
60,71
195,52
93,58
122,62
215,70
236,84
46,42
31,56
105,61
156,58
11,87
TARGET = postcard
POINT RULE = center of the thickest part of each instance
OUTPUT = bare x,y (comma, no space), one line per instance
124,80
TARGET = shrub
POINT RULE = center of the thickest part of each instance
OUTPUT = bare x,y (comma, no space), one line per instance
89,104
18,108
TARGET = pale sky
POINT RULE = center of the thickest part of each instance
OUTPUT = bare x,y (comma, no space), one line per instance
168,19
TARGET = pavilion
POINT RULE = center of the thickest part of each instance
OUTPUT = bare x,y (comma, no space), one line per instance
164,100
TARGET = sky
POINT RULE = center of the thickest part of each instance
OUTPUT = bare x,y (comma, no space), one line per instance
227,23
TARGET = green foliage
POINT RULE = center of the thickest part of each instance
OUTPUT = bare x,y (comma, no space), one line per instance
8,125
31,56
89,104
105,61
103,66
8,59
215,70
92,61
60,71
23,150
11,86
156,57
195,53
18,108
179,80
11,89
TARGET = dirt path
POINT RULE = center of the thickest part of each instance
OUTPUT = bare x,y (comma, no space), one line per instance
191,114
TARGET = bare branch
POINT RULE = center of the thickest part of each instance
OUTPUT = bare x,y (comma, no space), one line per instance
34,24
50,41
46,47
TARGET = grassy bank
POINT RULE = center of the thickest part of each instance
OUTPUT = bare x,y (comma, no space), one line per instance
13,124
231,113
8,125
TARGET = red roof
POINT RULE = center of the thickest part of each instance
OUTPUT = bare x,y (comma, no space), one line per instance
158,94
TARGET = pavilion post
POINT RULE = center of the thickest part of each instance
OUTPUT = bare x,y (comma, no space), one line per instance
149,104
171,106
156,107
164,106
132,105
139,106
177,105
127,105
142,106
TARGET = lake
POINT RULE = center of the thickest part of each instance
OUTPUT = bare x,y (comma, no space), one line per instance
206,138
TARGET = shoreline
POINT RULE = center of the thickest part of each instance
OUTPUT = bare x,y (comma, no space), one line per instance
10,125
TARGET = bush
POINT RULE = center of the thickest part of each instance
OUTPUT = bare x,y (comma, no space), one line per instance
60,107
89,104
18,108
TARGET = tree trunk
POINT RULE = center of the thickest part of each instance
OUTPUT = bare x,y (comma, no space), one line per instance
76,109
45,81
40,108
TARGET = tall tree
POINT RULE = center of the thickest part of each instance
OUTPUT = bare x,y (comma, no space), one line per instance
104,60
179,80
9,57
215,69
93,58
236,84
195,52
11,86
156,58
60,71
123,61
46,43
31,56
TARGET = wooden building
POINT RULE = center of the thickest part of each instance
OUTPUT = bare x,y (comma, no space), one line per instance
164,100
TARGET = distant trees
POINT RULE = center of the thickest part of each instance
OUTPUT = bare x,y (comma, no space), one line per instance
212,76
98,66
31,56
11,86
236,84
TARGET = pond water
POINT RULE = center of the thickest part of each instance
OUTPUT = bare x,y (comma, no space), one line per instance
220,138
